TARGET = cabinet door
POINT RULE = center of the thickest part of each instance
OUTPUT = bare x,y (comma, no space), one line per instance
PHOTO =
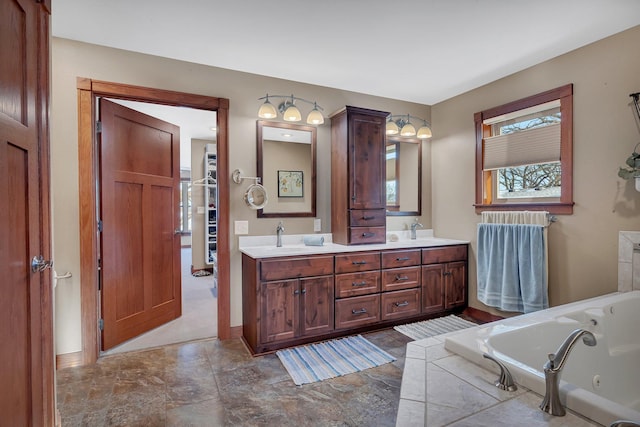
432,288
366,162
456,284
279,310
316,309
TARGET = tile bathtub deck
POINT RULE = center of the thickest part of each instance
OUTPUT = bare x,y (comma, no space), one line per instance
440,388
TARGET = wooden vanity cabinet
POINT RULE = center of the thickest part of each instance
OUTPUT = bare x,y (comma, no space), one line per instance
358,172
295,300
285,299
357,289
444,278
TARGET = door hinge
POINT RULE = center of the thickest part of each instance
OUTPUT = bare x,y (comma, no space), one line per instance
100,225
98,127
101,324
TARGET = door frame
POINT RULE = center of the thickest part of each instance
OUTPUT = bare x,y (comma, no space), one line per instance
88,92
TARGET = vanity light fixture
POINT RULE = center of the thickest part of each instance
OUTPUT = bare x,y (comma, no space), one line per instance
402,124
289,110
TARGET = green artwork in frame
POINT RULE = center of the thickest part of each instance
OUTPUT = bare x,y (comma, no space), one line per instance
290,184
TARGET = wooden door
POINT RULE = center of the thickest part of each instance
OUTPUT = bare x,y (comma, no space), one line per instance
432,288
140,178
26,352
367,162
316,308
279,310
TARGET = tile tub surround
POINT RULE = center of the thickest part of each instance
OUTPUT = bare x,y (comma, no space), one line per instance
440,388
628,261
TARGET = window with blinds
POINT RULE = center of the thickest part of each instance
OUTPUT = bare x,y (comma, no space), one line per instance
523,153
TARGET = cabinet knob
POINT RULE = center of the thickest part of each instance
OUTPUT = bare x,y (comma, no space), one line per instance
361,311
368,218
359,262
403,259
368,234
401,278
363,283
401,304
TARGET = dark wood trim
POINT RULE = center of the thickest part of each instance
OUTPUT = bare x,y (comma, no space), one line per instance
395,210
236,332
88,90
565,205
44,184
69,360
480,316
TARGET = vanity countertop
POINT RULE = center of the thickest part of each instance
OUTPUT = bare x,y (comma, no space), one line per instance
265,246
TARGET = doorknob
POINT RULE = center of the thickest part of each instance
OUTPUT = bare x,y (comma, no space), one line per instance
39,264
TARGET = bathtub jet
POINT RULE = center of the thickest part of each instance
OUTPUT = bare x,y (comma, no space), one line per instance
553,368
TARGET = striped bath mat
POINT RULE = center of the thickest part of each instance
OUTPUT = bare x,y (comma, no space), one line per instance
316,362
429,328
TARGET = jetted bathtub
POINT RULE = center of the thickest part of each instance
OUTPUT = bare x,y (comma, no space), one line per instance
601,383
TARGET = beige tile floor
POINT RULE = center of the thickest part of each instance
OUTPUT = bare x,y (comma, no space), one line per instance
440,388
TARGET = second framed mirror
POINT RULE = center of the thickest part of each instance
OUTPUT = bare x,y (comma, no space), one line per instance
404,176
286,165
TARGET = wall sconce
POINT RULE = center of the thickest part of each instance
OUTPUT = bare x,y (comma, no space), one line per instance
289,110
402,124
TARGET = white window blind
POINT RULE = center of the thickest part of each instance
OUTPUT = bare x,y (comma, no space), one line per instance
533,146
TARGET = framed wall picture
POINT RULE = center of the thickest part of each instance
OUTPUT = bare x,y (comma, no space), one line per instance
290,184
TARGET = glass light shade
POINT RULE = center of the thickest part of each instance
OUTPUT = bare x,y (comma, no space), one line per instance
424,132
315,117
408,130
392,128
292,114
267,111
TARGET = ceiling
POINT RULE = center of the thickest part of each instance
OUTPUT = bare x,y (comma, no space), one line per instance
423,51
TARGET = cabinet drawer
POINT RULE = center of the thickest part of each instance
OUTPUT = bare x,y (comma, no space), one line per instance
362,261
393,259
400,278
444,254
362,235
399,304
357,311
353,284
289,268
367,218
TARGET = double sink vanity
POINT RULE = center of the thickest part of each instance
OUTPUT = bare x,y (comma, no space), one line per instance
297,294
363,277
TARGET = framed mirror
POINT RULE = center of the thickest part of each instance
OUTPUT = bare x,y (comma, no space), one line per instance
287,169
404,176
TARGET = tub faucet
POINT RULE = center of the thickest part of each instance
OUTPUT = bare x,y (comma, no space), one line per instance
415,224
624,423
553,368
279,231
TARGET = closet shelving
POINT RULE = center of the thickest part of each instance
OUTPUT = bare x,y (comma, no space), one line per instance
210,204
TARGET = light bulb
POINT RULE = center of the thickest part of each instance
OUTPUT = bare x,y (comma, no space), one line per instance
424,132
292,114
267,110
408,130
392,128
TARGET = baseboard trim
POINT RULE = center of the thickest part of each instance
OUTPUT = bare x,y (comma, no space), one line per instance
69,360
481,316
236,332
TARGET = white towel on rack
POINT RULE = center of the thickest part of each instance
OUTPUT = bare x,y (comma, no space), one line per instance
516,217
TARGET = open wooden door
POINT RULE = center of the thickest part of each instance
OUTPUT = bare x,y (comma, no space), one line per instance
139,197
26,333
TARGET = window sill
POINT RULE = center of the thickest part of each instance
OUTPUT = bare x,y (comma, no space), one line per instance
553,208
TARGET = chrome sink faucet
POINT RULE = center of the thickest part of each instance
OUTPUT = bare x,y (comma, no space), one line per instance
279,231
415,224
553,368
